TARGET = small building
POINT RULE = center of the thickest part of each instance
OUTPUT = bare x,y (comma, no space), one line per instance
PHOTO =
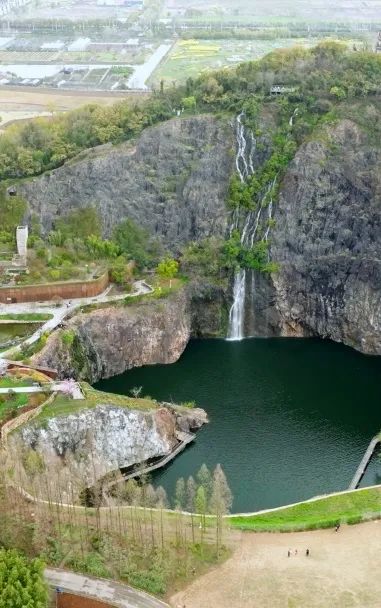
280,89
54,45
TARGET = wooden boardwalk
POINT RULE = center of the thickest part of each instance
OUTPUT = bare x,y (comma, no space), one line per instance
184,440
364,463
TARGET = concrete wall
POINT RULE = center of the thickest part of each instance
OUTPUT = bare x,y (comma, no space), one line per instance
50,291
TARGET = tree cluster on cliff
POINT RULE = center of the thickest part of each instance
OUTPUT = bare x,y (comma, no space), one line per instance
322,76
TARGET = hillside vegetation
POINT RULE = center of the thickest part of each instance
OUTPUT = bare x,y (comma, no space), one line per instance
325,75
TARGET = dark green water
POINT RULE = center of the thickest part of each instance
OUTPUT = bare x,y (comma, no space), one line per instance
289,419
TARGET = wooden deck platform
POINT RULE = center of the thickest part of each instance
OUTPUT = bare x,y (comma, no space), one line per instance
184,440
364,463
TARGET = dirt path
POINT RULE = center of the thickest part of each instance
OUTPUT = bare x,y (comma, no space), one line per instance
342,571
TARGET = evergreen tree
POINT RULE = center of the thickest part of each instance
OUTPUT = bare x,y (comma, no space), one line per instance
162,498
201,503
204,479
221,498
191,489
180,494
221,501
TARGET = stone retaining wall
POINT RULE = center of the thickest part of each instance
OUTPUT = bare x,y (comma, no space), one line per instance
50,291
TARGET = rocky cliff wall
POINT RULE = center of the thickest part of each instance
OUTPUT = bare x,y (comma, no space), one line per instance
327,237
109,341
173,183
327,241
87,445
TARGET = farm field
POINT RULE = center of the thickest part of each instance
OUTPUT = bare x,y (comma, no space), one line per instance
135,56
23,103
189,58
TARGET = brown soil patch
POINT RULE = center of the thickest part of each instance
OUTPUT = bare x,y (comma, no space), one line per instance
23,101
342,571
67,600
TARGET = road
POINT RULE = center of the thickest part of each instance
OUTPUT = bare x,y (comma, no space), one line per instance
101,589
142,72
67,308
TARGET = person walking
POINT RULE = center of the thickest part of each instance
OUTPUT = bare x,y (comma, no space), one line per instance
289,553
337,527
307,552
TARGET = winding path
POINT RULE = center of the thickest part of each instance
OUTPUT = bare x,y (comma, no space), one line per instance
104,590
67,308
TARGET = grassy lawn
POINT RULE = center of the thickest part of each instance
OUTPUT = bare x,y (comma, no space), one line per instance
14,402
356,506
9,382
11,402
64,406
28,316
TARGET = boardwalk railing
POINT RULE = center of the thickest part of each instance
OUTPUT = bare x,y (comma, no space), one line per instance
364,463
184,438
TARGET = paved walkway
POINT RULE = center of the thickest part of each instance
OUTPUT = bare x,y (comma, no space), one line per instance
142,72
101,589
53,387
67,308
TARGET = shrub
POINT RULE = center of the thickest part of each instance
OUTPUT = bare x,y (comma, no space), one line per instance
67,337
22,582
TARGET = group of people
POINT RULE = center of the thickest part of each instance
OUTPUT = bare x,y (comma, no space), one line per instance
295,552
290,553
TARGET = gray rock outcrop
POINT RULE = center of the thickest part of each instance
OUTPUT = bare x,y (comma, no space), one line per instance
87,445
173,183
327,241
108,341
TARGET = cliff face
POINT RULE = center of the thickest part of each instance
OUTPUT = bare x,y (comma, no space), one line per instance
327,241
109,341
86,445
173,183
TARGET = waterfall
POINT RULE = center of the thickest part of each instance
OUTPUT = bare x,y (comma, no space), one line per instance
237,311
270,212
240,159
291,121
269,217
245,167
253,148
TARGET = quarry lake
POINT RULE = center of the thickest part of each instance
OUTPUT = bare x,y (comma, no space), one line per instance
289,419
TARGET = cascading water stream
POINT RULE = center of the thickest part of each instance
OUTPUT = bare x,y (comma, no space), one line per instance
245,167
240,159
294,115
270,212
237,311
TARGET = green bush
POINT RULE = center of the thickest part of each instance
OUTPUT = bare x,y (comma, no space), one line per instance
67,337
22,583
